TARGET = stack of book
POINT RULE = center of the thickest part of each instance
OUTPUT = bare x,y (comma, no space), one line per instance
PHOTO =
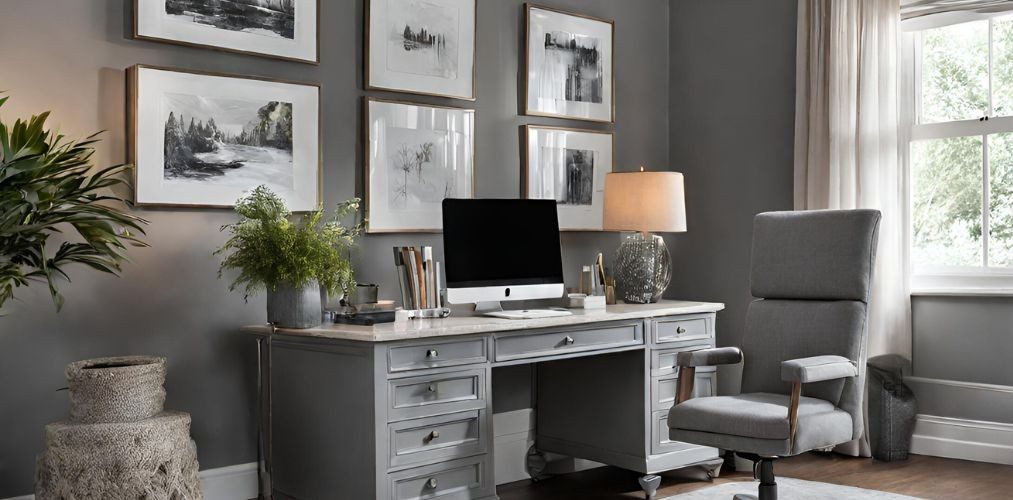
418,277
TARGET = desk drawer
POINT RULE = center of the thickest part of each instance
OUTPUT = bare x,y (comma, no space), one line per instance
460,479
663,390
441,438
661,443
429,395
436,354
684,329
531,345
663,360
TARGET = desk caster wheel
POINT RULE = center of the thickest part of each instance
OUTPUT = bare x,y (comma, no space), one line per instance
649,484
714,471
536,464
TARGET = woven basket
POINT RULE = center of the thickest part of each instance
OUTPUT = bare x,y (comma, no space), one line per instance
117,389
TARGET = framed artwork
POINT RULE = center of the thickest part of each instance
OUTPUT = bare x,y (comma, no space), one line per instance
282,29
416,155
568,165
569,65
204,139
421,47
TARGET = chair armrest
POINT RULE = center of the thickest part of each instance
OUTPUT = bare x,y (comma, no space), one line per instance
817,369
687,361
813,369
710,357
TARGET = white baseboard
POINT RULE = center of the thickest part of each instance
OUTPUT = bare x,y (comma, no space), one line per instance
235,482
963,439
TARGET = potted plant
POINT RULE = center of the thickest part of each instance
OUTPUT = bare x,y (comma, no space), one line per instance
46,189
291,259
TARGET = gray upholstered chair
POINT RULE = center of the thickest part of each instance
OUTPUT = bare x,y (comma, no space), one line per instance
804,346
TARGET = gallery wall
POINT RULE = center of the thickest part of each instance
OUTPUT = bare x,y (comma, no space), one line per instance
70,56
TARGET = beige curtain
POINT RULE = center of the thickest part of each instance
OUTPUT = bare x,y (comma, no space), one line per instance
847,151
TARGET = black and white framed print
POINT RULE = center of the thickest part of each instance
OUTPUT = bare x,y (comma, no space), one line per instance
416,155
568,165
569,65
283,29
421,47
205,139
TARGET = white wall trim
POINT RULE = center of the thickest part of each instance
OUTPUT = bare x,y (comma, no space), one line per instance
964,385
963,439
235,482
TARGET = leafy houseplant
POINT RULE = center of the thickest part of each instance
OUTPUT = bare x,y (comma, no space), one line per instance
290,259
45,190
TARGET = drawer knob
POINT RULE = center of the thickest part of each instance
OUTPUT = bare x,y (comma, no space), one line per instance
431,483
431,388
568,340
432,354
433,435
680,330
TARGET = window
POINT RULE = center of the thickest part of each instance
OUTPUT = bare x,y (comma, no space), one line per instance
961,153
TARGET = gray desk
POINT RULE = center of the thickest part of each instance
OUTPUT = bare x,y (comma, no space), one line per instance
403,410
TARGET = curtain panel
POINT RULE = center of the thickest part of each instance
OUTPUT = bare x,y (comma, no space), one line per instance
847,148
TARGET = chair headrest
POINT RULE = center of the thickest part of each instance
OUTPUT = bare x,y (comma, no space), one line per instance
814,254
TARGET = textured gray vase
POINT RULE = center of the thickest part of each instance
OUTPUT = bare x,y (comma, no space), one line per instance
119,442
289,307
119,389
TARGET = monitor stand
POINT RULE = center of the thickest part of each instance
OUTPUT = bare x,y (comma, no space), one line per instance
488,307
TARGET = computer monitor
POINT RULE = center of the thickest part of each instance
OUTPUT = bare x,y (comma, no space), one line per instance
497,250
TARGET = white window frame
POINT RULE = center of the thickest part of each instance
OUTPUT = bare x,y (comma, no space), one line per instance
949,280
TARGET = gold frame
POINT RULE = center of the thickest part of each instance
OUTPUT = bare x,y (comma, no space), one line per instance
366,100
527,51
132,94
366,68
316,61
525,181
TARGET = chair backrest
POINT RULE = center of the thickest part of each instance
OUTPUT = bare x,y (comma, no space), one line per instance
811,272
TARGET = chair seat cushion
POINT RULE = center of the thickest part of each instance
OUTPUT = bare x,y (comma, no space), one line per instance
758,415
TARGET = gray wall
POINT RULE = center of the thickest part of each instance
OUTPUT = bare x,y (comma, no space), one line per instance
731,115
69,56
963,339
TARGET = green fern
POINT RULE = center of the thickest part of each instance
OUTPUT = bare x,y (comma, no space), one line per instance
269,249
45,189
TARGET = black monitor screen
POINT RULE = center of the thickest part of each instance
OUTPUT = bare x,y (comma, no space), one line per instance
501,242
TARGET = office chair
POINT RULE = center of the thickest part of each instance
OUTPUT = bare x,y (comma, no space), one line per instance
805,344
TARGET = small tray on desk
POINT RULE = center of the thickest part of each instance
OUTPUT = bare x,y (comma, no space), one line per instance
364,318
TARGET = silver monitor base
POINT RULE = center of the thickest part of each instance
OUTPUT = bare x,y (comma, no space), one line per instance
488,307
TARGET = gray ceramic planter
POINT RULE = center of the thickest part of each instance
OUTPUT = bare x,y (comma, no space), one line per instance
289,307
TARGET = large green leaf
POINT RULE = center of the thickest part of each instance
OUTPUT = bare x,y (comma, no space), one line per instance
48,186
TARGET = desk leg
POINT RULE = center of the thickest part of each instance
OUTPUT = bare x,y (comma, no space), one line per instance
264,444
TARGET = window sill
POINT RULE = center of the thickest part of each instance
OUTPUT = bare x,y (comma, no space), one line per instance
963,292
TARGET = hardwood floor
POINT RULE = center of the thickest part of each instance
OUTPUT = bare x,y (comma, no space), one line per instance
919,476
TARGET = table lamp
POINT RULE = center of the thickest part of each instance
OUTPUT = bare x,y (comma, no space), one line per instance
644,202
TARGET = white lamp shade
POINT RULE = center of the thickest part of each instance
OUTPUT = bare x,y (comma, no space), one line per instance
645,201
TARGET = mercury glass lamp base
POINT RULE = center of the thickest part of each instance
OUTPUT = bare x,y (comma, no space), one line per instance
643,268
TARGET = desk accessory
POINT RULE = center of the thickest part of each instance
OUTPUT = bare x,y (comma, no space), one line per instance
584,301
644,202
420,282
290,259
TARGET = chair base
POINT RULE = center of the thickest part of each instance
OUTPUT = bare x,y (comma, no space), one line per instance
768,486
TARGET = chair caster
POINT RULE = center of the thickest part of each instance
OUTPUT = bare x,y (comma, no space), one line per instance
649,484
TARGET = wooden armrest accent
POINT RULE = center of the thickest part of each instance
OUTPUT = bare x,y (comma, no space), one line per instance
796,394
684,390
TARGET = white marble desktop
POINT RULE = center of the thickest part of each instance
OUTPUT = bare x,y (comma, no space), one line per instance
463,324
